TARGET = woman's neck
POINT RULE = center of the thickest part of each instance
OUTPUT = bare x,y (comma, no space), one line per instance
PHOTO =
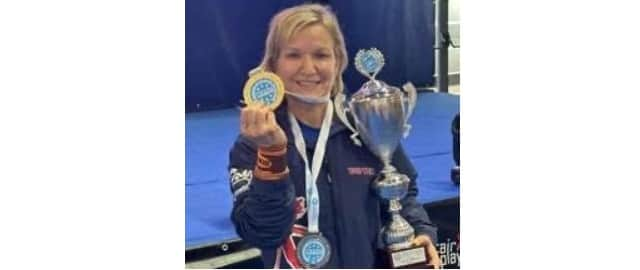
310,114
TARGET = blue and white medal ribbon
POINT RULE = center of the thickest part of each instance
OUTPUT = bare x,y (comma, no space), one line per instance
314,249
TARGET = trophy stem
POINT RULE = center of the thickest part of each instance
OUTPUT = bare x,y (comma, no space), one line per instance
398,232
388,168
394,206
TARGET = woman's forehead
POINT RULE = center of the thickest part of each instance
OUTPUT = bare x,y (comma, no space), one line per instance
310,37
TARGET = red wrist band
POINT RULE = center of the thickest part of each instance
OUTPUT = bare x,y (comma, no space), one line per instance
271,163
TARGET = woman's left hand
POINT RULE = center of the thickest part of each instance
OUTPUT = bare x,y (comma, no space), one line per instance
424,240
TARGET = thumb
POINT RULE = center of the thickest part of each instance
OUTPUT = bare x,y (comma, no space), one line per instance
271,118
278,134
421,240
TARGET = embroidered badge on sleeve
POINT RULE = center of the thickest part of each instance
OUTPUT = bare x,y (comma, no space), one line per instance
240,180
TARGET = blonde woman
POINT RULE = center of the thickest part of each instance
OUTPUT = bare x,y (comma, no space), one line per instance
299,182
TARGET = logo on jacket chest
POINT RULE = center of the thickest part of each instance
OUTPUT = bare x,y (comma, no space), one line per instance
368,171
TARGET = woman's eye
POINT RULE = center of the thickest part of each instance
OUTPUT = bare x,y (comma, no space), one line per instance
322,55
292,55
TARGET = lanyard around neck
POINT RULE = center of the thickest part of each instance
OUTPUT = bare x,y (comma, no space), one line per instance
311,174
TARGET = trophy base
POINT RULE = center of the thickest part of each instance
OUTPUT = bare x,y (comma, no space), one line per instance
407,258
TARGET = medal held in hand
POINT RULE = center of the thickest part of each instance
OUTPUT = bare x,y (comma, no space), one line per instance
264,87
381,114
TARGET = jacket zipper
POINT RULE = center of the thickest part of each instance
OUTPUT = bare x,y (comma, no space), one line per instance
337,216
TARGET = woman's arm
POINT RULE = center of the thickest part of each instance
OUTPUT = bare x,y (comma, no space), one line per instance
263,201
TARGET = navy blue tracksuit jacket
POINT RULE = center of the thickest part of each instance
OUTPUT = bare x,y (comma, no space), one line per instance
271,214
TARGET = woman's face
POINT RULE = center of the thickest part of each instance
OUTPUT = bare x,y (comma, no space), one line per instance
307,63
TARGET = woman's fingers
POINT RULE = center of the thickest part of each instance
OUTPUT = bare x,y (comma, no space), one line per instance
275,131
271,121
255,117
434,257
247,117
259,125
261,120
243,122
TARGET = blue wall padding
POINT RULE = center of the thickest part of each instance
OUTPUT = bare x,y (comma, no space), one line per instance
225,39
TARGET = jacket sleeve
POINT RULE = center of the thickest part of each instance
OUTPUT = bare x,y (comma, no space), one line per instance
262,209
412,210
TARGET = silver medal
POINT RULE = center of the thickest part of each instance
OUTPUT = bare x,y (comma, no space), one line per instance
313,251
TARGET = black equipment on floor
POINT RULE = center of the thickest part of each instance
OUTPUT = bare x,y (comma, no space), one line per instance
455,130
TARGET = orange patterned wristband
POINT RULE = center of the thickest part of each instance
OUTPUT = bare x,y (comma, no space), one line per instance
271,163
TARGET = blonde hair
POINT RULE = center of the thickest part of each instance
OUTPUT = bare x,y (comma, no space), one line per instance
290,21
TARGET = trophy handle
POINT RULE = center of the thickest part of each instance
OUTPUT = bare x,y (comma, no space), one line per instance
412,96
341,112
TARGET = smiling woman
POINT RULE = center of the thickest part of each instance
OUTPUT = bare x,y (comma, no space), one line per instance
305,47
326,32
303,205
307,65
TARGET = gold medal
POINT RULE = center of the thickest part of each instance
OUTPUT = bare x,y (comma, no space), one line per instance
264,87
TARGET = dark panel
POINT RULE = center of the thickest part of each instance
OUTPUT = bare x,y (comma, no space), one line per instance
402,30
225,39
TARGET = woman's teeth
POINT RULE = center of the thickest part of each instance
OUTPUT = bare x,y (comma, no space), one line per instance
308,83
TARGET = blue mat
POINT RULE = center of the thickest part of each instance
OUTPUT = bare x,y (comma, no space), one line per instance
210,135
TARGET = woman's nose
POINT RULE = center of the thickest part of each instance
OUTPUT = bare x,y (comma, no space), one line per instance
308,65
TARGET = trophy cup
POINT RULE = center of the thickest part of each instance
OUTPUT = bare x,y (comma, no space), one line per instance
380,113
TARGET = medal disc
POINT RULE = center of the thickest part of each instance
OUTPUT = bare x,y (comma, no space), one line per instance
313,250
264,87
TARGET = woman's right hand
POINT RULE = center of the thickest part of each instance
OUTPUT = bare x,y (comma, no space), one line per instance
258,124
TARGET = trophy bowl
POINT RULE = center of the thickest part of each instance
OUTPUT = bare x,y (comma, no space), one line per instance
380,112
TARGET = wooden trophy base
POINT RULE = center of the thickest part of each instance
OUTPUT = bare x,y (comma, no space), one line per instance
407,258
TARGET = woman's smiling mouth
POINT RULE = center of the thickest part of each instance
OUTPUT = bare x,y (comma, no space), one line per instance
307,83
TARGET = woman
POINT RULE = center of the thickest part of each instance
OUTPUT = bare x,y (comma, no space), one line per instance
300,151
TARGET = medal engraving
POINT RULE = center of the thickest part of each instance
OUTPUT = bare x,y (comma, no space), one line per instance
264,87
313,251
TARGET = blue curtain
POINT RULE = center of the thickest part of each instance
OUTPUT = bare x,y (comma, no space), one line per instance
225,39
402,30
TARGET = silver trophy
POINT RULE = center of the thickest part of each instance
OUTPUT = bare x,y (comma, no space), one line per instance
381,114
